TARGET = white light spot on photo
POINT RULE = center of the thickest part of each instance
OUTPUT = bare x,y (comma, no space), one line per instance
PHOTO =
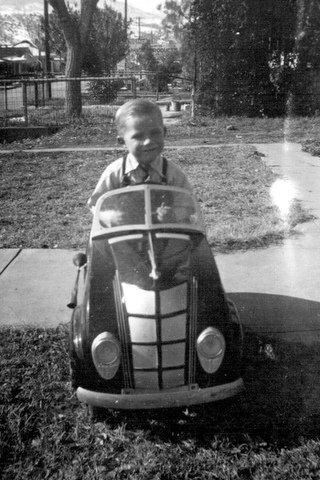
283,193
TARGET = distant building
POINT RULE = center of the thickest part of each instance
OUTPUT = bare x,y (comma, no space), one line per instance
24,58
57,63
18,60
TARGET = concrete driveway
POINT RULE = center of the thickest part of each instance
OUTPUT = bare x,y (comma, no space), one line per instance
35,287
277,289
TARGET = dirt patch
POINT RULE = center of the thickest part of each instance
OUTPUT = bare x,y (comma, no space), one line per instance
13,134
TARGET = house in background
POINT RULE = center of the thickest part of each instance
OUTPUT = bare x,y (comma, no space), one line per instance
25,59
57,63
18,60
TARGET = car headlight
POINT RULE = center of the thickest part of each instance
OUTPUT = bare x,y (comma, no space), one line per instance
106,354
211,347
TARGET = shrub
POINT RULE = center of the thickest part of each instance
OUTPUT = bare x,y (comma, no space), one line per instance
104,91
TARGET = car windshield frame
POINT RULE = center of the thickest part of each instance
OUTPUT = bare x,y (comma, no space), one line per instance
98,228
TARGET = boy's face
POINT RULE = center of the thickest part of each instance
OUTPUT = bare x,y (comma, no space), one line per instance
144,137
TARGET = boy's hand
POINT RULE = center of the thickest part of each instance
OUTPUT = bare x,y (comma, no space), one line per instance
164,213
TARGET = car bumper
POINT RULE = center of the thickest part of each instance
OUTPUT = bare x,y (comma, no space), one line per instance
163,399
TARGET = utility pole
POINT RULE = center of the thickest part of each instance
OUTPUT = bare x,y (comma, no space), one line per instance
126,30
126,14
47,69
195,62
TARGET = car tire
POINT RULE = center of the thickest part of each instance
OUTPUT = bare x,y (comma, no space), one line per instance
76,372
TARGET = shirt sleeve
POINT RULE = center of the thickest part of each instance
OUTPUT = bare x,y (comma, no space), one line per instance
109,180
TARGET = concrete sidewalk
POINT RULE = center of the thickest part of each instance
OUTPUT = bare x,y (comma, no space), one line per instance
276,289
35,287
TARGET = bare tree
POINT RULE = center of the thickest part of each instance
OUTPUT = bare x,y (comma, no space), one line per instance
76,35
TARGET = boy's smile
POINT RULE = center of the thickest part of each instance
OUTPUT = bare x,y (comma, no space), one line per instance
144,137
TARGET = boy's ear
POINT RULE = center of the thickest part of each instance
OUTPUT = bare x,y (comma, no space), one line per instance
120,140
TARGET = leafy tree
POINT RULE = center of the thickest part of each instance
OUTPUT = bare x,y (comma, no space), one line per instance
148,62
177,16
169,67
162,67
106,43
76,33
266,45
181,26
57,41
306,59
246,56
146,58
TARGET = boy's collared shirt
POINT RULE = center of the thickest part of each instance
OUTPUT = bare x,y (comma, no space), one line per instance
112,177
138,173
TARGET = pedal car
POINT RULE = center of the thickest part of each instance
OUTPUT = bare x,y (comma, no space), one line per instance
154,328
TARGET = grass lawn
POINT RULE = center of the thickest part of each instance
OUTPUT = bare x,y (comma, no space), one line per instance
312,146
270,432
95,128
44,195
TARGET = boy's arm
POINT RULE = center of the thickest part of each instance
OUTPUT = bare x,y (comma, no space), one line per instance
100,189
109,180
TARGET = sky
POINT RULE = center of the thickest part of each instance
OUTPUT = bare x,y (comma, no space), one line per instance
27,6
148,5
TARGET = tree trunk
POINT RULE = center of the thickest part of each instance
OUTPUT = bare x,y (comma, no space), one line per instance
73,103
75,36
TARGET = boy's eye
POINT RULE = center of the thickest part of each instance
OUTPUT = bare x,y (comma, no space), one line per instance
142,135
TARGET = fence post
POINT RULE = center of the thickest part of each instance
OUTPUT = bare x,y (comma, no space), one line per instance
5,96
5,104
36,95
43,102
134,87
193,103
25,102
158,86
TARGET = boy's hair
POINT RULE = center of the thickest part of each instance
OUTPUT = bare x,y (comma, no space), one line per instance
135,107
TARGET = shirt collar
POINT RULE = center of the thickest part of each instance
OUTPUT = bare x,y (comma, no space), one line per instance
132,164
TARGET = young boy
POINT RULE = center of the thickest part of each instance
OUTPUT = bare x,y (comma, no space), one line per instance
140,128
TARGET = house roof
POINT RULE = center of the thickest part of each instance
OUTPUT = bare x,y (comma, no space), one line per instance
11,51
26,41
21,54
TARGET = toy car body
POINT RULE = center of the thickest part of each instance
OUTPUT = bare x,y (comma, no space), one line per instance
154,328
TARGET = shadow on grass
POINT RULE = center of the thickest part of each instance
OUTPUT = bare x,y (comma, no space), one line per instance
280,406
281,370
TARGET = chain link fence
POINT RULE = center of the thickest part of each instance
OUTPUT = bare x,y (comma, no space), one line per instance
41,101
33,102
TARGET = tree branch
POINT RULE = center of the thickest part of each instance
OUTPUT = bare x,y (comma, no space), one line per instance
67,24
88,8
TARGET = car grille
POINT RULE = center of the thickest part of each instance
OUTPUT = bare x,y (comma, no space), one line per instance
157,331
